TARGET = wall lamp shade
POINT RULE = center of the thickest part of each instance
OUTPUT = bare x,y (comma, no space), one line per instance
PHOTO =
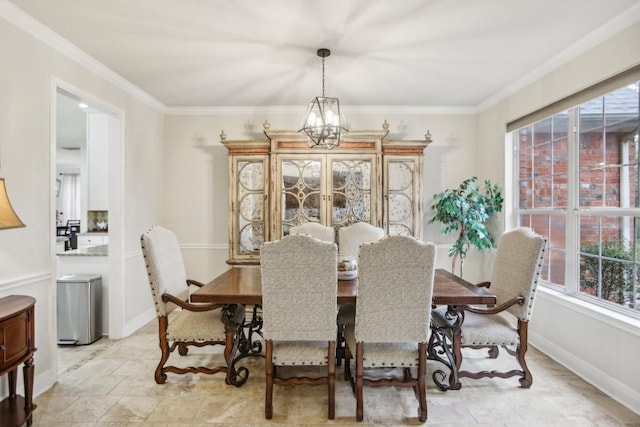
8,217
323,124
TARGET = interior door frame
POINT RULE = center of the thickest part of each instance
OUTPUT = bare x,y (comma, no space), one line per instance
115,196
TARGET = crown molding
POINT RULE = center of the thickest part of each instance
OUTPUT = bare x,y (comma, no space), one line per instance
591,40
404,111
35,28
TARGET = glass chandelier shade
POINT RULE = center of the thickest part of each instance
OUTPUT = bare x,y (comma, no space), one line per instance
8,217
323,124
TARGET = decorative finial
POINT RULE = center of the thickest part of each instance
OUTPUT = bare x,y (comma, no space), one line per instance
223,136
266,125
385,126
427,136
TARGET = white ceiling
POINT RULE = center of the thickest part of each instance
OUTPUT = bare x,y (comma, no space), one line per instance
410,53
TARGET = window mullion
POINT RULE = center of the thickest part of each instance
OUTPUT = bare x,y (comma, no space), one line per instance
572,237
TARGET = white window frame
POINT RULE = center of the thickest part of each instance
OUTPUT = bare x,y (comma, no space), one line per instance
572,213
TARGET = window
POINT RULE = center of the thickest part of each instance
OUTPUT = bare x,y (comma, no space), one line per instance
578,183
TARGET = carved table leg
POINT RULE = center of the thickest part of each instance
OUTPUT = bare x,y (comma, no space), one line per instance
27,372
12,376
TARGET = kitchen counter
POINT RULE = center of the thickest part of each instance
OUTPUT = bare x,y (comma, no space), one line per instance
99,250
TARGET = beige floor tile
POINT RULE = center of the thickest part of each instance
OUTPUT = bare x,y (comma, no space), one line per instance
112,384
131,409
85,409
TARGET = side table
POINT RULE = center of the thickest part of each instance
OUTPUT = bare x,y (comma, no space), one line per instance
17,345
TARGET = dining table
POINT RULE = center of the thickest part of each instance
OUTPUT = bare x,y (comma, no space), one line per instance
240,287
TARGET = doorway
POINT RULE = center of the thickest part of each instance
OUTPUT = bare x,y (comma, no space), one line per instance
86,176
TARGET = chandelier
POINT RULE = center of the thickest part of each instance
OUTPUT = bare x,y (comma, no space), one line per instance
323,123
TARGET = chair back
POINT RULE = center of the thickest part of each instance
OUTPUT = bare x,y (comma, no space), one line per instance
299,289
165,267
352,236
316,230
516,269
395,286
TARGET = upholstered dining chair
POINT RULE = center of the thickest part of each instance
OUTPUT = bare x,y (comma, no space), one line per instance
349,240
516,271
299,270
390,329
352,236
194,324
319,231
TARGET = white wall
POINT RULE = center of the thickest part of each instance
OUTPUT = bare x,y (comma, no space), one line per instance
176,174
197,172
602,348
29,68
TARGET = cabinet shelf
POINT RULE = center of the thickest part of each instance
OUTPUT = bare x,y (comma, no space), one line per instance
13,412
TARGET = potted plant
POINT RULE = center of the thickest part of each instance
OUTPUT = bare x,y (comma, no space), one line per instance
466,210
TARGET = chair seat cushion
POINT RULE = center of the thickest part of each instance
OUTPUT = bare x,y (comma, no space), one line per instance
290,353
379,355
491,329
196,326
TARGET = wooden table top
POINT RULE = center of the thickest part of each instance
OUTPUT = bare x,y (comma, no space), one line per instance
242,285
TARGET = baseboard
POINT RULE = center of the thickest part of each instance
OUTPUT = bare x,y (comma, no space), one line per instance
44,381
615,389
139,321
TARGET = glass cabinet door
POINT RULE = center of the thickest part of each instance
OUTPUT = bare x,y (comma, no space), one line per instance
353,185
249,218
402,197
334,190
301,193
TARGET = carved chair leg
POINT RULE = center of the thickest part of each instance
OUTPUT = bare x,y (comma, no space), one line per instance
229,331
527,378
182,349
339,346
422,388
454,382
347,363
332,380
159,375
268,396
359,373
493,351
406,375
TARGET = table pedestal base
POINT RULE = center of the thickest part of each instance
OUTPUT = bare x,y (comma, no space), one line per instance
245,343
445,328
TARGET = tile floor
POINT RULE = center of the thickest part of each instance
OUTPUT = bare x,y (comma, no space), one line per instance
110,383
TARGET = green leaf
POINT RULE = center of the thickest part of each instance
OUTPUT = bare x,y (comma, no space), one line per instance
465,210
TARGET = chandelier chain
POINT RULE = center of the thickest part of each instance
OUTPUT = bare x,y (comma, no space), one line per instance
323,76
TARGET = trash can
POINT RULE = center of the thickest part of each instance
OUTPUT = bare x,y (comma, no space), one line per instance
79,309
